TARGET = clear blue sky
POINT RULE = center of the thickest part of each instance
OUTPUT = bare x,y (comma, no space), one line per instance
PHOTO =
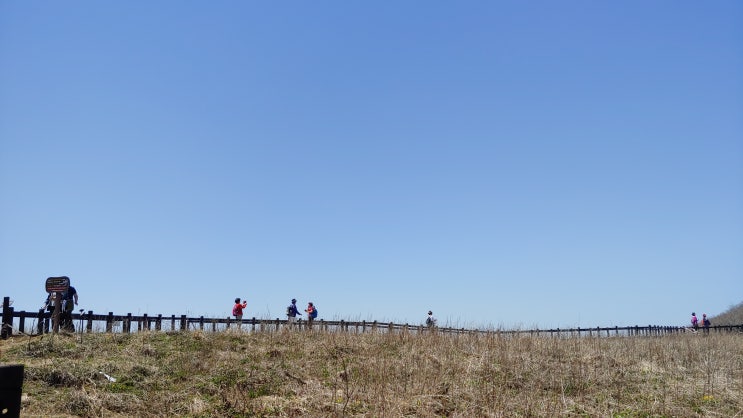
503,163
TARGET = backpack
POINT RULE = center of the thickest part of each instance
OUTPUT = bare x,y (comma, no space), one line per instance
314,312
289,310
68,300
68,305
234,310
50,303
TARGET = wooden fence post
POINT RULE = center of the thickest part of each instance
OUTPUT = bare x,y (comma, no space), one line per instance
127,325
201,322
183,323
89,326
9,326
110,322
7,329
22,322
159,323
40,322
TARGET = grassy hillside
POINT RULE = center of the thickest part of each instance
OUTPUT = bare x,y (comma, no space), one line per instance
290,374
733,316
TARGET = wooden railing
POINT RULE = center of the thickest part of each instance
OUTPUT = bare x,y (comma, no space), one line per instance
37,323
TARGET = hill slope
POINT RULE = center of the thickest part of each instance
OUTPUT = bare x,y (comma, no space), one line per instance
733,316
290,374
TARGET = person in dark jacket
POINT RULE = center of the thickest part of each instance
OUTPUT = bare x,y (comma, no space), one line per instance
291,313
69,300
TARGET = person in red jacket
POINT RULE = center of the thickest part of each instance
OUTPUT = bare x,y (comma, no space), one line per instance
237,311
310,314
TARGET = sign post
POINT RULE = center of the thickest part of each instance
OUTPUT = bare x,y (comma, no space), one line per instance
55,286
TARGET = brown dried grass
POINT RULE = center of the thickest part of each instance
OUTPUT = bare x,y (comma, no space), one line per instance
291,374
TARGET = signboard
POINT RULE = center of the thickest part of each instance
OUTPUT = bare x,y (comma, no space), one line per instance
57,284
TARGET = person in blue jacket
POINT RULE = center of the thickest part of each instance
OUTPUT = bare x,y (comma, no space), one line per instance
291,313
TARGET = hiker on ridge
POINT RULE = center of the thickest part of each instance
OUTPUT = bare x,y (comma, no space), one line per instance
706,323
291,313
311,314
237,311
69,300
430,321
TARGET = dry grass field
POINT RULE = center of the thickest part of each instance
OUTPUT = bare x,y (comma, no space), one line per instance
321,374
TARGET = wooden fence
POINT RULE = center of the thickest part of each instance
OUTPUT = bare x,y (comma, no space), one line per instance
37,323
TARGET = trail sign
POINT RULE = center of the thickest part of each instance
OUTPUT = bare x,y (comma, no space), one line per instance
57,284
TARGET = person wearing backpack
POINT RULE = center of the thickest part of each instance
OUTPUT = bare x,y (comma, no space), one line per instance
694,321
291,313
69,300
706,323
311,314
237,311
430,321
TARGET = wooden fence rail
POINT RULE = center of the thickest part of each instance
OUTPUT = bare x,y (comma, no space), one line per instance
37,323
